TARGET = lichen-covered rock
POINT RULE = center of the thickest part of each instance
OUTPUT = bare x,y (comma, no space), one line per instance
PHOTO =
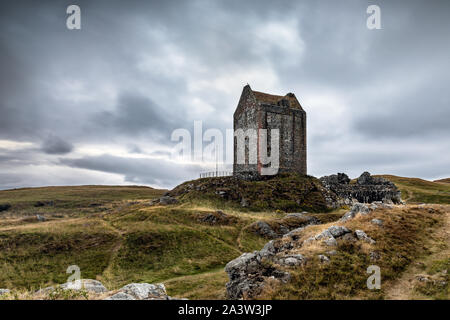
121,296
145,291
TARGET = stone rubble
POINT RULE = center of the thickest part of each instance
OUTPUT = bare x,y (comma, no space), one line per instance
367,189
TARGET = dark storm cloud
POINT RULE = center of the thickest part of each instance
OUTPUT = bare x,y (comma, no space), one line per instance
139,69
55,145
135,115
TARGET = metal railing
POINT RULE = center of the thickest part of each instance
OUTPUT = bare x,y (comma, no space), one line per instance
216,174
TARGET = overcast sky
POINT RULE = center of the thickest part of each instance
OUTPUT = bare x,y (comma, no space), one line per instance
98,105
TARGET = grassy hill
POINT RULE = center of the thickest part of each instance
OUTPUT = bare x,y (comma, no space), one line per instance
415,190
446,180
114,235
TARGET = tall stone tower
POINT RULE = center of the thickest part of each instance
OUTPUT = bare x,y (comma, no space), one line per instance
258,110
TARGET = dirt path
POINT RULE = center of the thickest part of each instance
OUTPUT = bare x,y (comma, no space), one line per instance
108,272
403,288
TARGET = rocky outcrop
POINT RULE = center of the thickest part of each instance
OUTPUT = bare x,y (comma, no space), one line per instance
164,200
287,192
215,218
363,209
249,272
367,189
281,227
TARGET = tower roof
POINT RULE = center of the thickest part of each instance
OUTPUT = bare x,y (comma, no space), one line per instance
272,99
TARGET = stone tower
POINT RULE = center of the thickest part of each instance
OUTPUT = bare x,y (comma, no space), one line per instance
258,110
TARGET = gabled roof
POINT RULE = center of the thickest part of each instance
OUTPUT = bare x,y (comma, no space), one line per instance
272,99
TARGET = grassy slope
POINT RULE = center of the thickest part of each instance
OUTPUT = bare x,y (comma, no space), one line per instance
416,190
114,236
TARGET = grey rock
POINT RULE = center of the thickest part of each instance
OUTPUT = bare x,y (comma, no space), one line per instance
85,284
291,260
165,200
360,208
45,290
323,258
348,216
40,218
361,235
4,291
338,231
295,215
331,242
356,208
218,217
332,252
121,296
145,291
375,256
378,222
348,237
263,229
326,234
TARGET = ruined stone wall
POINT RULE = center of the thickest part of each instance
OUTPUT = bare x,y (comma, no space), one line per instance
367,189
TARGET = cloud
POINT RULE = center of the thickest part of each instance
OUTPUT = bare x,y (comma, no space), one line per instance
142,171
138,70
55,145
135,115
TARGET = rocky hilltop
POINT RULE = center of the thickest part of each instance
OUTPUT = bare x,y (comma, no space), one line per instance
289,192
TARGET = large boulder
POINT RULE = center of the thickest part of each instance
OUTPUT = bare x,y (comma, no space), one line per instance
145,291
